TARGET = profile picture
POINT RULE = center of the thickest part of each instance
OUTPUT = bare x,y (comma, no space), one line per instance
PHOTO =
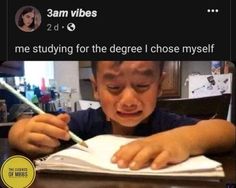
28,18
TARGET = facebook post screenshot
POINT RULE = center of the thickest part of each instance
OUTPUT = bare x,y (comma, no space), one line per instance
117,94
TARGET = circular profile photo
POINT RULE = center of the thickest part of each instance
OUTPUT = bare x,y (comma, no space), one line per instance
28,18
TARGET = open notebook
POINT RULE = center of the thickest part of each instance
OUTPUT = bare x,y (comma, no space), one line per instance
97,157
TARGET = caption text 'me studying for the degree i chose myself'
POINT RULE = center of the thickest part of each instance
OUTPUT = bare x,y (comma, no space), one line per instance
123,50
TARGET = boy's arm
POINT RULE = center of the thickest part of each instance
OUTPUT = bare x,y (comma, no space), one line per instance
177,145
40,134
208,136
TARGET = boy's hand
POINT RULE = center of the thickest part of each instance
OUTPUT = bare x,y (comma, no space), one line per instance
40,134
156,151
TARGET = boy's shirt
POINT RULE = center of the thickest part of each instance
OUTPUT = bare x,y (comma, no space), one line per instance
90,123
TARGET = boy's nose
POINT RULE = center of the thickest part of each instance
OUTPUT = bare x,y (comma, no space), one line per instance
129,99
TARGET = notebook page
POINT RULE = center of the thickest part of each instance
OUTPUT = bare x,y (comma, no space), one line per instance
101,149
98,155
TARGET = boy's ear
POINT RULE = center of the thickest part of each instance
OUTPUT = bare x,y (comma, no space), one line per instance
94,86
161,79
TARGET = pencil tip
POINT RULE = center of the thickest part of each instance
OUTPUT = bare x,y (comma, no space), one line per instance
84,144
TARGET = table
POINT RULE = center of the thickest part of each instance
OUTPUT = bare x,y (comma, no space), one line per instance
97,181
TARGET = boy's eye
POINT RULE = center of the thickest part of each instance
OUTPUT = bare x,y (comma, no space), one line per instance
142,87
113,88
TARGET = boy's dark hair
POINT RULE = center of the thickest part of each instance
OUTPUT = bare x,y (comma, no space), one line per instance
94,66
25,11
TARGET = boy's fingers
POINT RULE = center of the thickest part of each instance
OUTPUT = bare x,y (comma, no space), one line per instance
45,149
42,140
51,119
125,154
143,157
51,131
161,160
64,117
35,150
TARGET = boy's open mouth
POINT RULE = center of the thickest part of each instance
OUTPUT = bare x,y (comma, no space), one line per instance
129,114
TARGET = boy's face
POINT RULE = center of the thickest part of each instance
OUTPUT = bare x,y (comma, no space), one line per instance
127,91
